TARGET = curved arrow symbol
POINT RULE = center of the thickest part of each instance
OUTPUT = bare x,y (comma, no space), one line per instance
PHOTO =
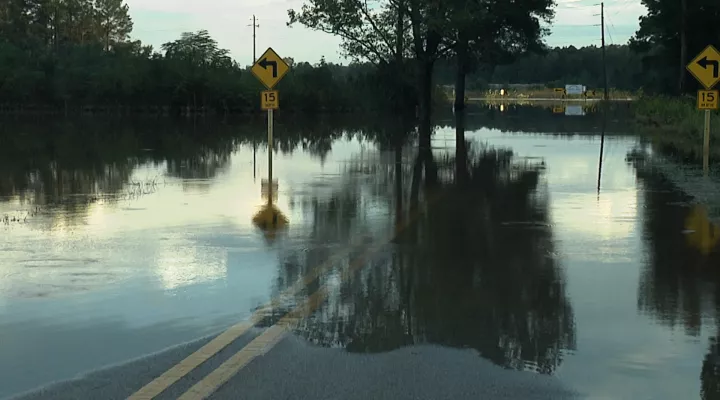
705,63
265,64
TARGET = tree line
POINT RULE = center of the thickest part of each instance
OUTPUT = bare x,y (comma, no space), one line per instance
78,55
70,55
475,42
558,66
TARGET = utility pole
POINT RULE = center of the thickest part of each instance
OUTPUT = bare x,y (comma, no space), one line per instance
683,45
605,97
604,66
254,25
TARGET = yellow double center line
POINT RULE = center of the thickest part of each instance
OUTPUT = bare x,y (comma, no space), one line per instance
263,342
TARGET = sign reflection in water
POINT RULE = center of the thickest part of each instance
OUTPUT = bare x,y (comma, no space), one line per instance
269,218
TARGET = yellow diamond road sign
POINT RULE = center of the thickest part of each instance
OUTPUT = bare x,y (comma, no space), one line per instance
270,68
706,67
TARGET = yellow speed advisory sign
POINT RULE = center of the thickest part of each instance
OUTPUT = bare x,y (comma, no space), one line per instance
707,99
269,100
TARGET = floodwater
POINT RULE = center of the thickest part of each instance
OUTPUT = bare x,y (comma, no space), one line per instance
120,239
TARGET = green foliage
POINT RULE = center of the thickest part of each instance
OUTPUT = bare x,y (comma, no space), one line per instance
660,40
112,18
556,67
371,32
681,114
498,31
366,29
676,125
494,32
75,55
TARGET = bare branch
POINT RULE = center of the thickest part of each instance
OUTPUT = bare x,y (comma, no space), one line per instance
360,29
415,23
365,10
448,47
369,48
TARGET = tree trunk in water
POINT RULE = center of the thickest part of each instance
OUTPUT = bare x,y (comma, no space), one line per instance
425,123
431,169
399,34
683,45
425,117
398,181
415,184
461,156
461,49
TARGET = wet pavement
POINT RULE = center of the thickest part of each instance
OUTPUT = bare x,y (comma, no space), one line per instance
497,266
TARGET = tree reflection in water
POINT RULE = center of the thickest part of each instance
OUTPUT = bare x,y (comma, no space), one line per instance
475,269
64,166
710,375
678,285
673,285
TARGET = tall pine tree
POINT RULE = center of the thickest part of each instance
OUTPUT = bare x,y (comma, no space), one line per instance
114,22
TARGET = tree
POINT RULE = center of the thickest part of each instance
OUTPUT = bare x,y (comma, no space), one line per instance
14,21
495,32
376,32
192,57
114,22
553,67
670,34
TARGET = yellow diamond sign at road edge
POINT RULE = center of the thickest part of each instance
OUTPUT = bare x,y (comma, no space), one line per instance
703,234
706,67
270,68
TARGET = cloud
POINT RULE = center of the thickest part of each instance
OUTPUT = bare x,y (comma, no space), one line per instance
212,7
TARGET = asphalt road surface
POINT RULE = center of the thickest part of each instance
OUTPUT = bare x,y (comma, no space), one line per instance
295,369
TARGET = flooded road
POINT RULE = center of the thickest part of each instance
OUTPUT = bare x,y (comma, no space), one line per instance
119,241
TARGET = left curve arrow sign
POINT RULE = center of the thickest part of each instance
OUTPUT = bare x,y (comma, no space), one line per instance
265,64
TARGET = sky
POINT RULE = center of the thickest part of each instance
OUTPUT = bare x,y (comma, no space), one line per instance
577,22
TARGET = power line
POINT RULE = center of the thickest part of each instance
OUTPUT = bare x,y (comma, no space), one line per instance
609,31
624,5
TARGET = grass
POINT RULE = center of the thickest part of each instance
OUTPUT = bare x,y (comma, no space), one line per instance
675,126
133,191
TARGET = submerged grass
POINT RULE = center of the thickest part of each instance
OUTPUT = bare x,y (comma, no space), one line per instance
675,126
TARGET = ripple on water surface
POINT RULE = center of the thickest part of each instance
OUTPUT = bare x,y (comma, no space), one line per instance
517,250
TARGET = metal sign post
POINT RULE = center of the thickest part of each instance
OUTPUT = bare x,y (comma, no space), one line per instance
269,69
270,152
705,67
706,143
707,100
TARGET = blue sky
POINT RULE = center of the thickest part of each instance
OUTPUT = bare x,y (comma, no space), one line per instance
228,21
